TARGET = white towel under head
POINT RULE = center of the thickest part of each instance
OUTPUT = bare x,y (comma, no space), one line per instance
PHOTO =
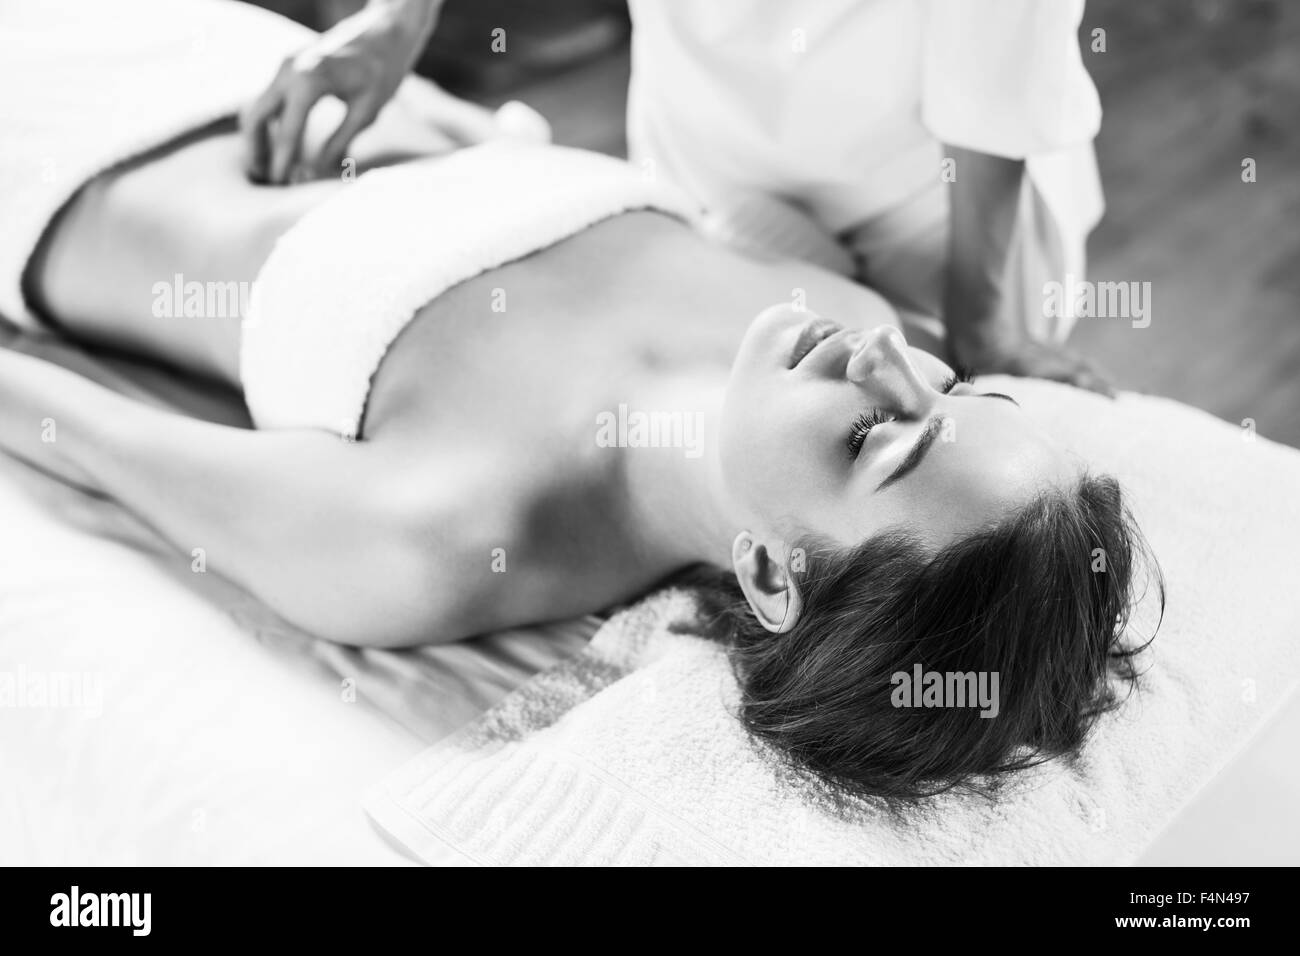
344,281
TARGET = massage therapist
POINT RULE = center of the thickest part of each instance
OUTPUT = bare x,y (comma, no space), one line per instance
939,151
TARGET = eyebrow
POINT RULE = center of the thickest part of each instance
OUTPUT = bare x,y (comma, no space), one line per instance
932,429
1005,398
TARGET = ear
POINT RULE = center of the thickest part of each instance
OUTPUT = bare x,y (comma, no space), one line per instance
769,588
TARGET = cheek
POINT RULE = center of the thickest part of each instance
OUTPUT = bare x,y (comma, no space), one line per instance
778,455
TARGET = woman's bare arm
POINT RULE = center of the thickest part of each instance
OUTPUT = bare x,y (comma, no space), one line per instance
301,519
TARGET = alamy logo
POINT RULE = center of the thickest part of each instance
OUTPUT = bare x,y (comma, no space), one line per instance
922,688
181,299
52,689
630,428
1084,299
102,909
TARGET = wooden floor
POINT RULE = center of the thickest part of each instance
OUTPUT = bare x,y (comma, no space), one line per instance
1190,89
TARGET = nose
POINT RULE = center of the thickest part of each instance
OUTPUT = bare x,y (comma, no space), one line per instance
881,365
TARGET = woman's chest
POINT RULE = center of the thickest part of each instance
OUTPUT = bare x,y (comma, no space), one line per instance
543,344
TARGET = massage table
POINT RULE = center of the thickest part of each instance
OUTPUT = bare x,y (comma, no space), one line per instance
210,732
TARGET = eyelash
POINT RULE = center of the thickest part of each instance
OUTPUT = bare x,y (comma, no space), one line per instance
866,421
862,426
960,376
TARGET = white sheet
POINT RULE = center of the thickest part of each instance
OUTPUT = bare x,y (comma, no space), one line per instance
223,736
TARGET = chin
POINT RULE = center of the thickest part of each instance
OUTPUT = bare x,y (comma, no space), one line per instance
769,340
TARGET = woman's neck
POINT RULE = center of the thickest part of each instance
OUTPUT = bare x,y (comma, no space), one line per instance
671,469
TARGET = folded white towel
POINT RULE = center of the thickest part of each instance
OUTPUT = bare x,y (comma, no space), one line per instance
629,753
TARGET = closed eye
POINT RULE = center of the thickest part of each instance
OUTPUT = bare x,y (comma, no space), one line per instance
866,421
963,376
959,376
862,426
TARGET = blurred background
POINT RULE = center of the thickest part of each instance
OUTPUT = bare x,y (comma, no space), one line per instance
1190,89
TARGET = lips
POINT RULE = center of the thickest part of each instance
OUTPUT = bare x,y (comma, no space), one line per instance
812,334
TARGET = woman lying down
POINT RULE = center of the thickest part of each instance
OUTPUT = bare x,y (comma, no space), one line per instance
447,361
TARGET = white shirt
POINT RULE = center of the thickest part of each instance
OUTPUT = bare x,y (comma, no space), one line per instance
843,105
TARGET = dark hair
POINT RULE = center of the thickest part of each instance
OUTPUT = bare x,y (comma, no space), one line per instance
1042,598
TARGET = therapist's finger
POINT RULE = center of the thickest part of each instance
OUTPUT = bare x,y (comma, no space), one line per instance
286,137
1086,375
360,114
1094,381
254,123
1083,375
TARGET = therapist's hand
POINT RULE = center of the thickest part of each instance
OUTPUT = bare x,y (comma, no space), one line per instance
1030,359
984,206
361,61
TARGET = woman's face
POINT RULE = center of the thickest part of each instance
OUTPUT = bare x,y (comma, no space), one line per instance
844,432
